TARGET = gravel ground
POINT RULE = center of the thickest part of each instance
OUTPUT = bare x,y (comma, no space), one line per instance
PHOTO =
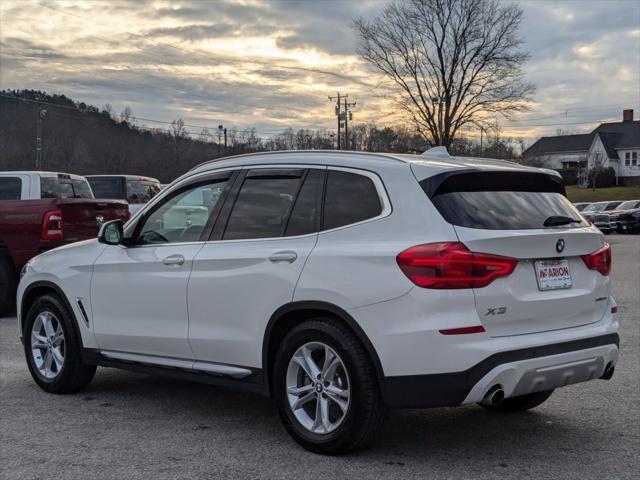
133,426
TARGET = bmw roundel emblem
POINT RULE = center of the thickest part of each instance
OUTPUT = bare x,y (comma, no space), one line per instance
560,245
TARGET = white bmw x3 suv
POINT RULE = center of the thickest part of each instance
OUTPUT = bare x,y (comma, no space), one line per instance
339,283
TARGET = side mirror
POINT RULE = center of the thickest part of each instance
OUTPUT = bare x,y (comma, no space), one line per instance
111,233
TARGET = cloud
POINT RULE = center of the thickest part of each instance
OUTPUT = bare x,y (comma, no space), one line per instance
272,64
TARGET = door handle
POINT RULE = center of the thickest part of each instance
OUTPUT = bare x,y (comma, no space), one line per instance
173,260
287,256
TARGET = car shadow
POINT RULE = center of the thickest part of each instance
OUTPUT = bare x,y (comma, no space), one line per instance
439,436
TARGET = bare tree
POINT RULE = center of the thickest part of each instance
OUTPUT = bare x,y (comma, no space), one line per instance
454,62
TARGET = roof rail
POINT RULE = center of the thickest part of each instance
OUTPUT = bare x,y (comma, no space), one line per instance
440,152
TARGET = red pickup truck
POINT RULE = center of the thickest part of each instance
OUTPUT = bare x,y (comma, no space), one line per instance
43,210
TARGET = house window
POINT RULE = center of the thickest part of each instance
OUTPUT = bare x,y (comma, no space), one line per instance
598,158
634,158
627,158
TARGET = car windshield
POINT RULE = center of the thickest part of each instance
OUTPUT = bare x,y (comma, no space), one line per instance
595,207
628,205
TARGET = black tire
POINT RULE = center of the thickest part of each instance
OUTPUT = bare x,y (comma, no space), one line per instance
73,375
8,284
365,413
521,403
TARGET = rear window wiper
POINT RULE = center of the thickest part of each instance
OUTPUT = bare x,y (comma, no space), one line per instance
556,220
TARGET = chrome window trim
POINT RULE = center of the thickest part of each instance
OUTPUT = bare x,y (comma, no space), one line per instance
387,208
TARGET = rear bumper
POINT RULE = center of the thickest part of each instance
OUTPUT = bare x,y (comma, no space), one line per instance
519,372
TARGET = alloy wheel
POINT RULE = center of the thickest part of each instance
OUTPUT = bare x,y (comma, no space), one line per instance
47,345
318,387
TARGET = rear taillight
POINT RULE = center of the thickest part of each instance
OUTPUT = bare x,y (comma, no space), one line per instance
52,225
599,260
452,265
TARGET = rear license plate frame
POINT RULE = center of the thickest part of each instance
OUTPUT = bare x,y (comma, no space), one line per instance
556,282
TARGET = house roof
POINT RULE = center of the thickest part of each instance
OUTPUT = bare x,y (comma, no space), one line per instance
629,133
615,136
563,143
610,140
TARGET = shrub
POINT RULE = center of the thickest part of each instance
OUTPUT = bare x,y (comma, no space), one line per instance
600,177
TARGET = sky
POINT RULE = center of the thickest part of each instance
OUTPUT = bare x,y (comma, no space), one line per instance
272,64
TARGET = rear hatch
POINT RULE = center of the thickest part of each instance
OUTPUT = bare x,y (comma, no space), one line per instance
525,215
83,217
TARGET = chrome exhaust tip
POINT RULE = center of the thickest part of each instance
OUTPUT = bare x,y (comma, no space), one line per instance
494,396
608,371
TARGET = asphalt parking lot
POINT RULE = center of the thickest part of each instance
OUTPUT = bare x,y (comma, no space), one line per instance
129,426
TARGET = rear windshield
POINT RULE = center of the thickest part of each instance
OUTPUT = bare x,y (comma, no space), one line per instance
63,186
501,200
107,187
141,191
10,188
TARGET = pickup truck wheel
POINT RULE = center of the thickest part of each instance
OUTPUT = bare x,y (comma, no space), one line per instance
8,284
53,349
326,388
521,403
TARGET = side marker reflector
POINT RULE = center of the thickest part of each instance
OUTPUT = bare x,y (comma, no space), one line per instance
463,330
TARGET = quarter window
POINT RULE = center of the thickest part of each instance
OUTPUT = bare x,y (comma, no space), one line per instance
263,205
183,217
350,198
10,188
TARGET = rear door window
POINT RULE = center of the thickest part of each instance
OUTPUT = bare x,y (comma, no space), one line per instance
305,216
350,198
264,204
10,188
501,200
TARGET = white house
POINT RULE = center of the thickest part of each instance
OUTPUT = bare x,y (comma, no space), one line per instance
615,145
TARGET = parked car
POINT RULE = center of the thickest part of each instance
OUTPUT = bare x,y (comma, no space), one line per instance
339,283
597,214
620,209
40,211
629,221
134,189
580,206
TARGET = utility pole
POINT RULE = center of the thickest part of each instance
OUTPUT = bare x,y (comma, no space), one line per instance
338,113
41,114
222,129
343,112
481,138
347,116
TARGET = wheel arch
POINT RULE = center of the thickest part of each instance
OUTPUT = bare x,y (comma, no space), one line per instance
38,289
295,312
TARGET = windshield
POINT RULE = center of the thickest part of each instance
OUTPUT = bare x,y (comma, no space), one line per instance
628,205
596,207
63,186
